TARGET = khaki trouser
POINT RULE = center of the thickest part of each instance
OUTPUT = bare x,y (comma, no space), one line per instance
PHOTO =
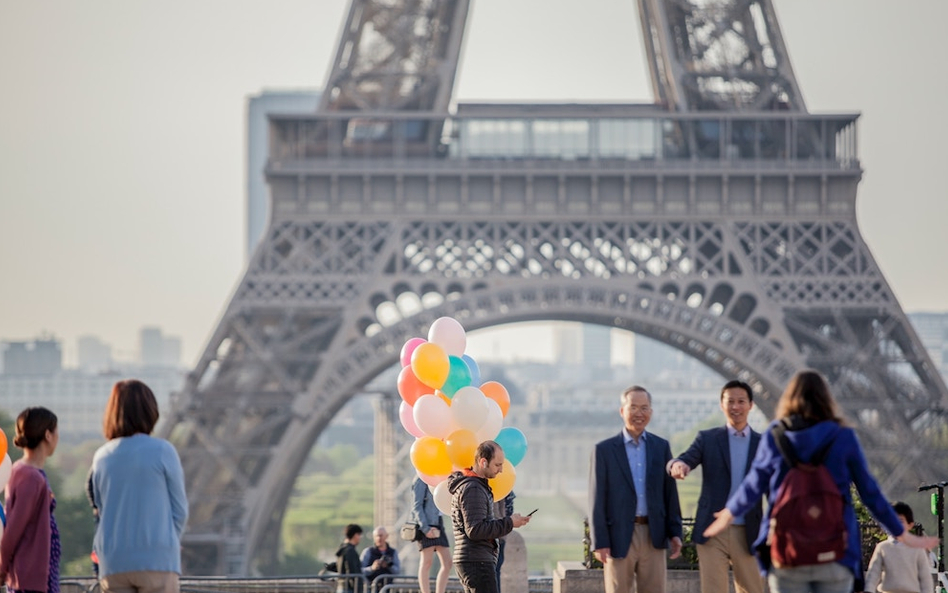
141,581
728,549
641,571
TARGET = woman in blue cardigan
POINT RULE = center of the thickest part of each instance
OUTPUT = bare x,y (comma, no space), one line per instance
138,488
816,423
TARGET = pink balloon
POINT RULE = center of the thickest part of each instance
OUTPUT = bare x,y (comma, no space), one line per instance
408,421
408,348
431,480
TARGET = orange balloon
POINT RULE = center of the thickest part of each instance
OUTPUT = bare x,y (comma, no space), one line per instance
430,364
497,392
3,444
504,482
430,456
461,444
409,387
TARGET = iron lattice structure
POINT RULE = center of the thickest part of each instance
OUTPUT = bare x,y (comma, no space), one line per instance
720,221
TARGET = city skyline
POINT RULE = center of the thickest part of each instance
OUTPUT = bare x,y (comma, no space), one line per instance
122,186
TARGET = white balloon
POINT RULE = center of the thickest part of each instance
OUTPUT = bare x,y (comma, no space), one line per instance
448,333
442,498
432,416
469,408
5,468
491,427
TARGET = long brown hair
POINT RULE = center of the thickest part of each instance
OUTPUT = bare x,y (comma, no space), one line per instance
807,395
132,408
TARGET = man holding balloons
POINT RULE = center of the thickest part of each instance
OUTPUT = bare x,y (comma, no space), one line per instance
475,528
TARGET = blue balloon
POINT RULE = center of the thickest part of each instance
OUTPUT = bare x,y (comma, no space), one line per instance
513,442
475,371
459,375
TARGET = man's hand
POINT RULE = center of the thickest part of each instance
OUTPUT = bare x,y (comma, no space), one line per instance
679,470
723,519
602,554
519,520
675,548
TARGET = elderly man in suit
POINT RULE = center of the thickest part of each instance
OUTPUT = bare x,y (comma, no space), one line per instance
725,454
635,511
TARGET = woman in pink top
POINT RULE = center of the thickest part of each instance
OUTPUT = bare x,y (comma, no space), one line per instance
29,548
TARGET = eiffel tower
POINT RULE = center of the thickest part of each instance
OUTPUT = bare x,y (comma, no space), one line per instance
719,220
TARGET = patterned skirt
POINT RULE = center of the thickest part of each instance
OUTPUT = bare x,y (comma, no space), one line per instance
441,540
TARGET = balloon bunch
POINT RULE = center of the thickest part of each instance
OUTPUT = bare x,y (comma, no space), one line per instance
449,411
6,466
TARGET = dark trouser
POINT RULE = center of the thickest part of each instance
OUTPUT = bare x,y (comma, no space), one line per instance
501,544
477,577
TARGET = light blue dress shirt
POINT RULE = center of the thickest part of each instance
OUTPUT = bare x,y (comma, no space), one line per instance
635,452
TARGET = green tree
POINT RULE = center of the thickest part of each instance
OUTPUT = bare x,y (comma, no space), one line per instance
76,529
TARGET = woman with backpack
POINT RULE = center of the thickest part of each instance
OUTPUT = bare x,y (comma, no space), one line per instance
808,429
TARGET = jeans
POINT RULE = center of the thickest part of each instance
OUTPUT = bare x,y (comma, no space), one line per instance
816,578
501,544
477,577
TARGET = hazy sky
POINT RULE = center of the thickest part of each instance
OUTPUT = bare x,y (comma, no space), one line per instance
122,135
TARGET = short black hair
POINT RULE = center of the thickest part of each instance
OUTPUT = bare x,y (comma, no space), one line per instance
905,510
352,529
740,385
486,451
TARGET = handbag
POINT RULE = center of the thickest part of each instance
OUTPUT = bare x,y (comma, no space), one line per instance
410,532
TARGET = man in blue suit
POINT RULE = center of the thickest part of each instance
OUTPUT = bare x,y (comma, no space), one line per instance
725,455
635,511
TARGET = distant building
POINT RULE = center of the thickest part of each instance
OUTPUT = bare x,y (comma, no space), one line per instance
258,147
932,330
95,356
567,343
79,398
597,346
39,357
158,350
585,348
658,363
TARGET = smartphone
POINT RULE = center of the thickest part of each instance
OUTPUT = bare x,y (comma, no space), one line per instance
530,514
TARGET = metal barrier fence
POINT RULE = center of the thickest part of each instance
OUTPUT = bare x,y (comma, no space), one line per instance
298,584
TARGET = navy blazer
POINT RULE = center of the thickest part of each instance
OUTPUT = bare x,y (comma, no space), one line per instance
711,450
612,496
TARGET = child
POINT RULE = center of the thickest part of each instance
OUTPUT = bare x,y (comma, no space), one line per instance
897,566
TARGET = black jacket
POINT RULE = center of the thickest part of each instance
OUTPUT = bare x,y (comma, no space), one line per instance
472,510
347,562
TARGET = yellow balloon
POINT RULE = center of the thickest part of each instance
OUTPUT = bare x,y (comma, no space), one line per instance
461,444
504,482
430,456
430,364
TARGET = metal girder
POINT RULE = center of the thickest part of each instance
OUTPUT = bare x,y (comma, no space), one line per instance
396,54
718,55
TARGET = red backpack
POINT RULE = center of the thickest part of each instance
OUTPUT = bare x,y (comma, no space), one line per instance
806,519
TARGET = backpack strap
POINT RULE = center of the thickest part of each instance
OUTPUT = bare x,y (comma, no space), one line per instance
783,443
